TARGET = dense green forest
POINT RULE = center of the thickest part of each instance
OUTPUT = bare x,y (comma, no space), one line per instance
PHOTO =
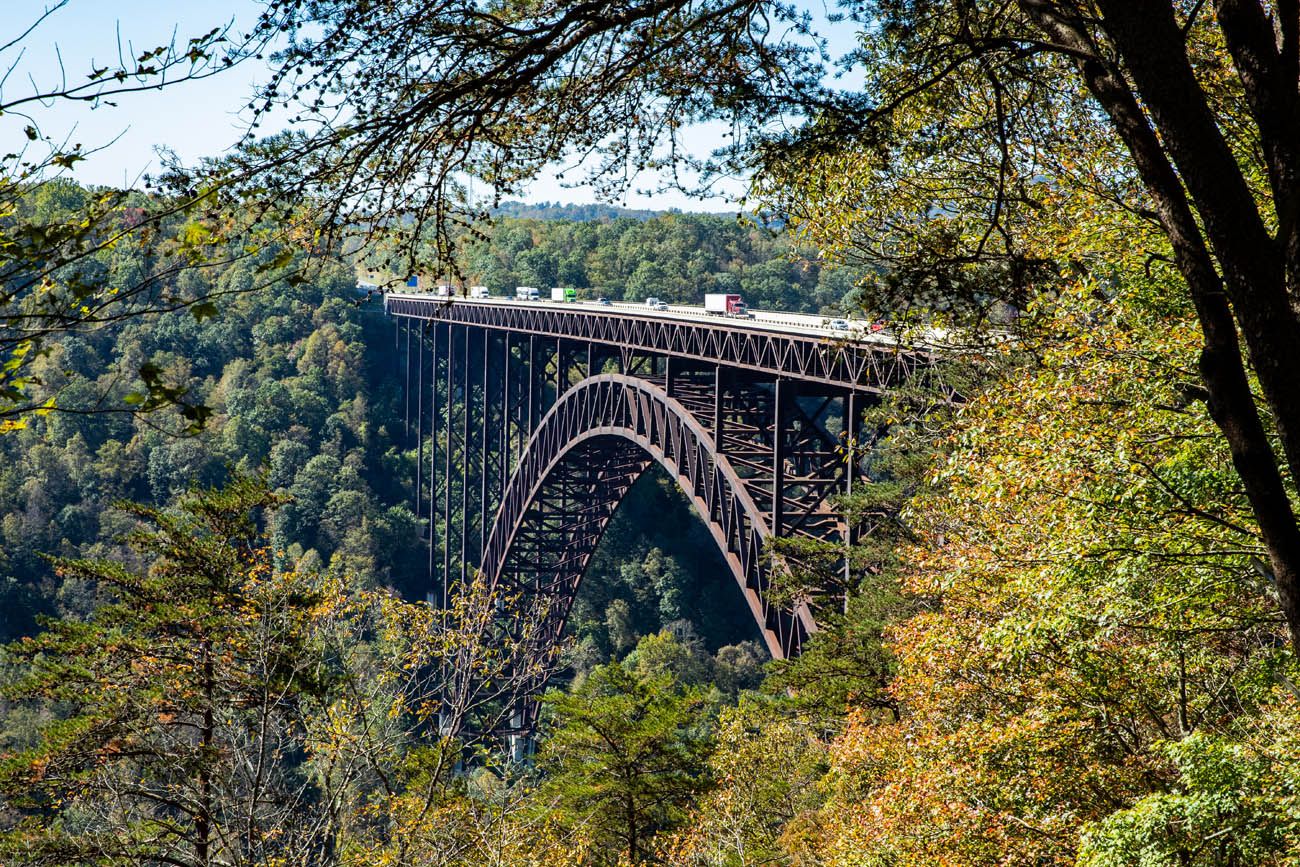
302,418
299,380
668,737
569,212
674,257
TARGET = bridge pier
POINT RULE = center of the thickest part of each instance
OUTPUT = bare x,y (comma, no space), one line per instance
434,579
419,422
448,448
720,383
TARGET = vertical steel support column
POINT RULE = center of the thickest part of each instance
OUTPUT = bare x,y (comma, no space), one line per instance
851,422
559,369
433,461
446,467
483,450
719,401
507,441
532,387
406,393
668,375
590,373
851,410
464,462
419,421
781,393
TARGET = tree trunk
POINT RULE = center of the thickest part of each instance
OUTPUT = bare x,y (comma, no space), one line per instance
203,816
1231,402
1154,51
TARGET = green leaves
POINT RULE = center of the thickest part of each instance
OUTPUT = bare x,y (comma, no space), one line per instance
158,393
66,159
197,653
203,310
282,257
624,757
1085,597
1232,803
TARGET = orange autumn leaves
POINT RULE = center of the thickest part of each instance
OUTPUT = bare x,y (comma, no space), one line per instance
1090,591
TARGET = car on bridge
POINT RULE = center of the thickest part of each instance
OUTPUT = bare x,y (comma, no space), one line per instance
838,325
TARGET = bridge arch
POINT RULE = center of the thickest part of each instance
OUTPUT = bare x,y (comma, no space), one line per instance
580,461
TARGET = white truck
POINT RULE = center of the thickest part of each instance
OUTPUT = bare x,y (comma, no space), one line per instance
560,293
527,293
443,290
479,292
726,304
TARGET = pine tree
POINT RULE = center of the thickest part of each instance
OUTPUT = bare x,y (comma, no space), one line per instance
624,761
175,709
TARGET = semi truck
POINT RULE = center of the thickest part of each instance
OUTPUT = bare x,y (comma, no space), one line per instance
723,304
527,293
559,293
479,292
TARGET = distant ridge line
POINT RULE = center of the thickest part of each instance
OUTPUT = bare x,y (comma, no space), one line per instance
577,213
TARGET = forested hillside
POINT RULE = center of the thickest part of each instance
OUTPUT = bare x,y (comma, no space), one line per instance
965,692
568,212
299,381
675,257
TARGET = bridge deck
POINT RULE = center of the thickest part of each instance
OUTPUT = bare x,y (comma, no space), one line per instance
779,344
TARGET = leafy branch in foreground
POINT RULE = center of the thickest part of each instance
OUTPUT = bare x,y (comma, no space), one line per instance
59,243
176,705
217,708
401,112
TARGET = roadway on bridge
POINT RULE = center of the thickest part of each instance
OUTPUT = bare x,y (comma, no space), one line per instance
859,330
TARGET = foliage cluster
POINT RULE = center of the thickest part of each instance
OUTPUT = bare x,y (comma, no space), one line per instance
55,237
1095,642
284,382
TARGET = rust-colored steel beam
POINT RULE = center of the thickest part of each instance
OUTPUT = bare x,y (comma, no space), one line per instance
606,420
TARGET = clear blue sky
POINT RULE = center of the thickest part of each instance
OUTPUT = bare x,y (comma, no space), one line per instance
194,119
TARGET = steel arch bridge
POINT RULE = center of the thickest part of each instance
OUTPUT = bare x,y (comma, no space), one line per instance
532,420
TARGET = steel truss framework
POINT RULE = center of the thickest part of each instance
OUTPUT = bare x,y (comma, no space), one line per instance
849,364
527,440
